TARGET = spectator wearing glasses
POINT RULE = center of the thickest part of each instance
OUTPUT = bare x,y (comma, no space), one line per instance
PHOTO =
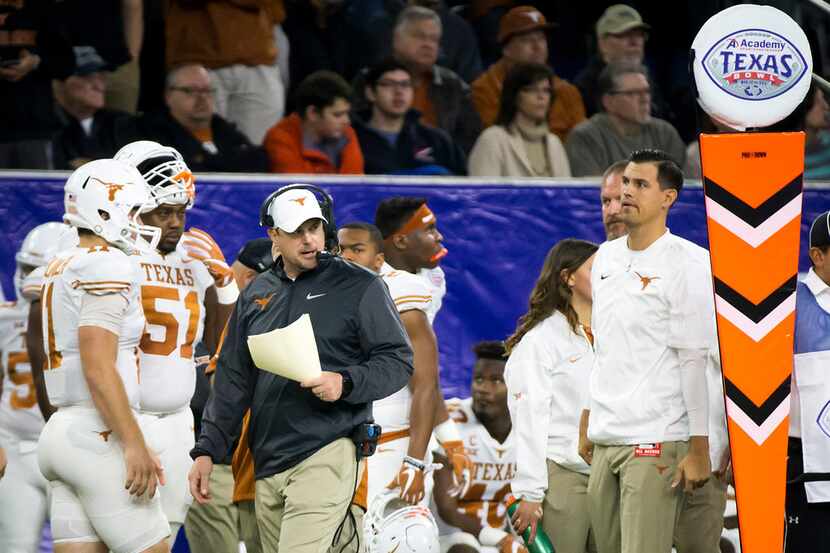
621,38
520,144
624,125
191,125
392,138
440,95
234,40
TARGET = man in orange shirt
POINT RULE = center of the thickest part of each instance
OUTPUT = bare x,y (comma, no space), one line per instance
317,138
522,34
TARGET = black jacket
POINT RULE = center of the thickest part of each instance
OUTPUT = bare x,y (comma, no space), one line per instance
357,331
236,153
417,147
110,131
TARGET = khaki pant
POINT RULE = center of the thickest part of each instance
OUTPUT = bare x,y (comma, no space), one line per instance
701,519
565,517
122,87
248,529
633,507
251,97
299,509
214,526
348,533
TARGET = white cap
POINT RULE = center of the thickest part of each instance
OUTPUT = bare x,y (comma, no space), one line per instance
291,209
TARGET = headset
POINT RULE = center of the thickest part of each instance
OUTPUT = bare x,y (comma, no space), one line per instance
326,206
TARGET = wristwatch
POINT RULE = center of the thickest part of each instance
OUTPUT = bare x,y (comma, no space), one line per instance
348,385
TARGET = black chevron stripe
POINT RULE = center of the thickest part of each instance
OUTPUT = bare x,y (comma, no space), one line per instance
758,413
756,313
753,216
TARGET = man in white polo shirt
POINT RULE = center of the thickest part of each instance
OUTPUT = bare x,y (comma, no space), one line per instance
653,311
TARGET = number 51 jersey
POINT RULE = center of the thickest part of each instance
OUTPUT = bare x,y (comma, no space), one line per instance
173,296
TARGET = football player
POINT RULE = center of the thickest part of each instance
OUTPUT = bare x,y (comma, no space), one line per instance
187,292
413,244
102,474
477,521
24,494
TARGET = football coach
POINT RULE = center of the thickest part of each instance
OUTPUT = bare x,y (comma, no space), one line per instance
300,433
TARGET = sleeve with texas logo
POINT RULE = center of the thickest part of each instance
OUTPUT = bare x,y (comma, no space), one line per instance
70,277
19,413
494,465
173,296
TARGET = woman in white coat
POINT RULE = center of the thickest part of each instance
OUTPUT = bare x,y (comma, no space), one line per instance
520,144
547,374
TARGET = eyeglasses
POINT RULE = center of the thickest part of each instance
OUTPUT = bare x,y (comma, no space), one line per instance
641,93
537,90
194,91
400,85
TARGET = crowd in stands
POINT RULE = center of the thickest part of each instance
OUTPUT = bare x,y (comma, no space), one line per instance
341,86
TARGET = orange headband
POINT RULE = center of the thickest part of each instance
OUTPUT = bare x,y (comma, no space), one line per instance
420,220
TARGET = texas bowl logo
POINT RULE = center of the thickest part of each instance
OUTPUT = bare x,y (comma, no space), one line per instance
754,64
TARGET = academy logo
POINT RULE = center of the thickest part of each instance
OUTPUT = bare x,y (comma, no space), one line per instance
754,64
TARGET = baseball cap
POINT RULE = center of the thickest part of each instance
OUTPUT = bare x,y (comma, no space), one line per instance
618,19
293,208
820,231
519,20
256,254
89,61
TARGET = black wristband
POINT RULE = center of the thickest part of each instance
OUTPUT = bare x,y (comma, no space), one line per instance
199,452
348,385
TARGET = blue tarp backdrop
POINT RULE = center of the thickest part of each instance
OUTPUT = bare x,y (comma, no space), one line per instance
497,235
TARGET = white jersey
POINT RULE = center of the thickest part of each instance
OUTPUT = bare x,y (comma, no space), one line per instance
494,466
437,285
19,413
69,277
173,296
647,305
408,291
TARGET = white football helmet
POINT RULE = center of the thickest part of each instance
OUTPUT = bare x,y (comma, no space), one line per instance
391,524
164,170
107,196
39,247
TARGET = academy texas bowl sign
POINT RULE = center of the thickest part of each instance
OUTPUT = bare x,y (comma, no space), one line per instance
752,66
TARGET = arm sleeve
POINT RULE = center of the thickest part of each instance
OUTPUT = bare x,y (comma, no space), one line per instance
695,389
103,311
33,283
382,336
233,390
528,400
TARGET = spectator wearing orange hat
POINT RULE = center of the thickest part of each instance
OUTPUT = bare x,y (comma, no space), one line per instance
522,34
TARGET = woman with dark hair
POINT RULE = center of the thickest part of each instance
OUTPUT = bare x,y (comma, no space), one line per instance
547,373
520,144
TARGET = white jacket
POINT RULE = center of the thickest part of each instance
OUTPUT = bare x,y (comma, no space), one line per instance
547,377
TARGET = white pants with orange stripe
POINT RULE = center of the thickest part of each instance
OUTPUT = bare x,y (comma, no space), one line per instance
383,466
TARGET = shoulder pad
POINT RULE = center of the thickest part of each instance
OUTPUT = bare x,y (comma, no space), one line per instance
102,270
33,283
